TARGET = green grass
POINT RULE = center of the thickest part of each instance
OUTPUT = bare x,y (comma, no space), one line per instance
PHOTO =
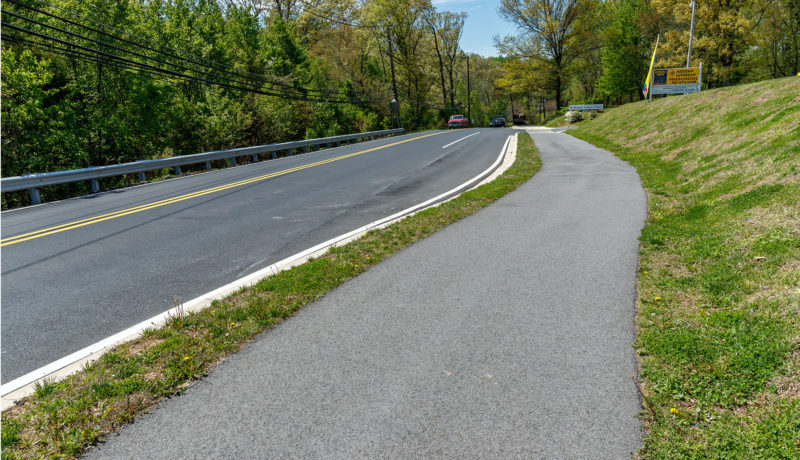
63,418
719,282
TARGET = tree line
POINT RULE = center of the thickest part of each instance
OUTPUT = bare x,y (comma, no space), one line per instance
97,82
599,51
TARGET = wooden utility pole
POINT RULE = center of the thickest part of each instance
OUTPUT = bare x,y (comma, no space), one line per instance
391,64
691,35
469,97
98,131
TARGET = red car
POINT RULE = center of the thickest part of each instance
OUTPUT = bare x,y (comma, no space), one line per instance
457,121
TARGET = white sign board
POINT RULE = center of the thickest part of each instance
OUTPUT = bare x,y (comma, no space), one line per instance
677,81
585,107
675,89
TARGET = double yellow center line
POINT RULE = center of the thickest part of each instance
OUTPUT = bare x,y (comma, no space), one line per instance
157,204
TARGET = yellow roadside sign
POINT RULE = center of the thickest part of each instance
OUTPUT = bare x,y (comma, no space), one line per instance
683,76
679,76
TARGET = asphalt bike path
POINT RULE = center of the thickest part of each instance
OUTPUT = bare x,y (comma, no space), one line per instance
507,334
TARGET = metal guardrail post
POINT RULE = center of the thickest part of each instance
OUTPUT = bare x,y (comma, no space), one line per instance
274,154
208,166
233,161
95,186
34,192
177,170
141,177
255,157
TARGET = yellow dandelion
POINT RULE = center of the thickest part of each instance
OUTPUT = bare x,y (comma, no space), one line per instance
645,272
213,311
658,298
233,324
186,358
674,410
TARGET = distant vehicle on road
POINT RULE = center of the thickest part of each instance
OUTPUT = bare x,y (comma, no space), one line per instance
457,121
497,122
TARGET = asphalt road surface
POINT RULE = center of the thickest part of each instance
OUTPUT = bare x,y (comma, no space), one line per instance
505,335
66,290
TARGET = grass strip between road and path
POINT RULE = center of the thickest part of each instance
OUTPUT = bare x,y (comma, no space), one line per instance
61,419
718,323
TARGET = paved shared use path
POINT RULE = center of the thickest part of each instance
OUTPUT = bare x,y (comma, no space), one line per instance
507,334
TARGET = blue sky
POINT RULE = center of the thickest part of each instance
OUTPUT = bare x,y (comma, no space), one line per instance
482,24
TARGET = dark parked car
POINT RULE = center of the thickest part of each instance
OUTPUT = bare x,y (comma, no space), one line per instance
497,122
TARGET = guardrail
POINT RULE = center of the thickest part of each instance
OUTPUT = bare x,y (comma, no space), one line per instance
32,182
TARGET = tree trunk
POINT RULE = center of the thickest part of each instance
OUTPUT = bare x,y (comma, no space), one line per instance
452,91
441,68
558,90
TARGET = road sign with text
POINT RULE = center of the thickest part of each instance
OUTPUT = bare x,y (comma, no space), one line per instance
677,81
585,107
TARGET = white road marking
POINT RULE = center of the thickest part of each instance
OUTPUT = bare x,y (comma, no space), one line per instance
448,145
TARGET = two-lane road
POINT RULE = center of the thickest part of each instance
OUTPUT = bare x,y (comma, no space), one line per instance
77,271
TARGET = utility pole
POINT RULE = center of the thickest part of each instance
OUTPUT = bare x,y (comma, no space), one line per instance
469,93
391,64
691,35
99,133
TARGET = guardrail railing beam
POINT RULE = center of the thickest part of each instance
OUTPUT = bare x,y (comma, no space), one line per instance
33,182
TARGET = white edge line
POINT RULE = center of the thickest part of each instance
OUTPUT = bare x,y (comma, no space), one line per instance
459,140
59,369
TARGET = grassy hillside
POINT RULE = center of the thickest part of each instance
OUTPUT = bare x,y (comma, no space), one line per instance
719,282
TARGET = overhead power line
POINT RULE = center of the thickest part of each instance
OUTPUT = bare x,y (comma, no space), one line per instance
93,58
322,15
275,85
166,71
208,71
215,67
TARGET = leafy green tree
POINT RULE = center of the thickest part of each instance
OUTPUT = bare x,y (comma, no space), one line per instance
624,53
556,32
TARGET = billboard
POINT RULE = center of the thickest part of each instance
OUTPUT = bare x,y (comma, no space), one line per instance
677,81
676,76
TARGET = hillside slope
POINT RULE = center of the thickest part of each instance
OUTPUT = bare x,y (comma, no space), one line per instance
719,283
